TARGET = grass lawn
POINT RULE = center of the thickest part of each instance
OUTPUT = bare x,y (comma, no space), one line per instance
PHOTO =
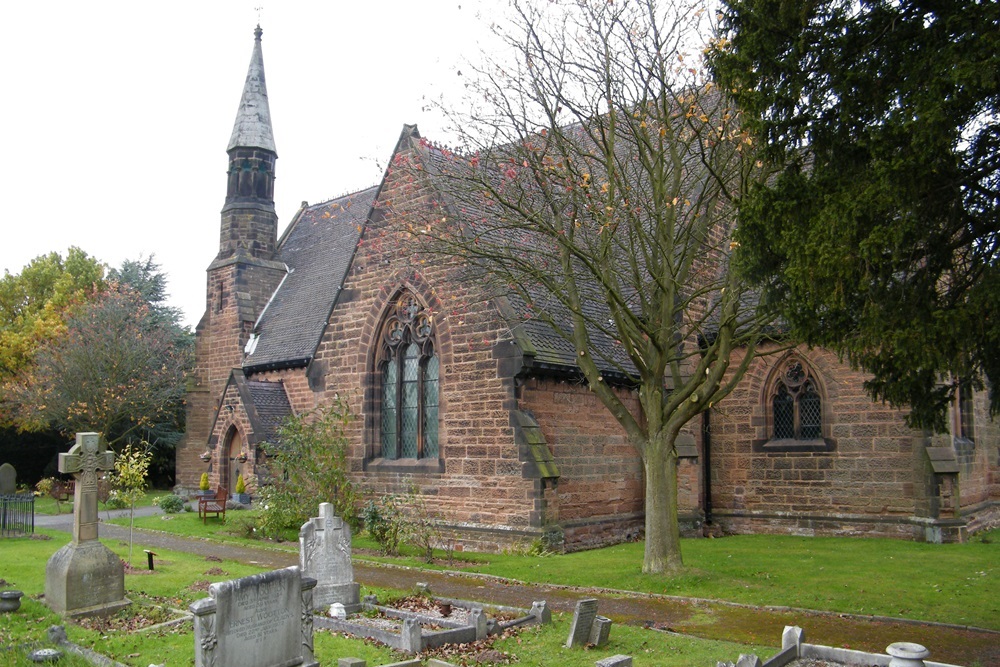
48,505
182,578
948,583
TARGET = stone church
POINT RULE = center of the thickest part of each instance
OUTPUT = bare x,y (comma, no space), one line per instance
489,420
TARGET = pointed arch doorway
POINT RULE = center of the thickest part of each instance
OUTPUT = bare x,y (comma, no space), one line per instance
229,466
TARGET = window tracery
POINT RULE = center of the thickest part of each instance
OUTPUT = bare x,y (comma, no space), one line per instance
796,405
408,369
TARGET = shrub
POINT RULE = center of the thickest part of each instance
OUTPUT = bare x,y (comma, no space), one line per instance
307,466
116,501
203,484
171,504
385,522
241,487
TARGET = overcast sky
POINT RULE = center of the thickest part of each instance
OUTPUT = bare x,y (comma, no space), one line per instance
116,115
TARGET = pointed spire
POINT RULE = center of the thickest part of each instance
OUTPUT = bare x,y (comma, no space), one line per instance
253,120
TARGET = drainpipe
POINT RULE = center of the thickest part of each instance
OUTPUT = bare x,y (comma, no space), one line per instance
706,463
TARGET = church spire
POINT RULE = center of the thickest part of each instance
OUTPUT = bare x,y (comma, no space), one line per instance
253,120
249,223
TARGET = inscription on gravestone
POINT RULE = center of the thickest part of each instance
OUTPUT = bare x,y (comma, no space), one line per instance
325,555
8,480
264,620
583,621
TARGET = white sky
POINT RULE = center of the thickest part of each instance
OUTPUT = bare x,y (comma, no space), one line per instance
116,115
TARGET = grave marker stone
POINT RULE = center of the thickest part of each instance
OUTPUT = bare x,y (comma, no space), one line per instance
264,620
325,555
8,480
600,631
85,578
615,661
583,621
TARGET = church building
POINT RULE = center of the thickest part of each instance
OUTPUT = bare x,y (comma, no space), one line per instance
485,414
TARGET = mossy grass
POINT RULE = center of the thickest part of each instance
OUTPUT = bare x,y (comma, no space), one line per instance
233,529
179,579
47,505
947,583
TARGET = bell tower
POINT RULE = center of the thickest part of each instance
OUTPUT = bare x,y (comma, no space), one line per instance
244,274
249,223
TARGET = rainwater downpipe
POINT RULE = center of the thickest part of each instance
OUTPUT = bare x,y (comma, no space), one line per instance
706,466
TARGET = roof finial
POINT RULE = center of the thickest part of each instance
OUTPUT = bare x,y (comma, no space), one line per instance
257,32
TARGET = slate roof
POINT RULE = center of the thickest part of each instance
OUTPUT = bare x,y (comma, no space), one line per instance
271,404
252,128
317,249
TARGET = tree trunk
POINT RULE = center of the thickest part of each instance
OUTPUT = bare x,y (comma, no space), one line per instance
663,537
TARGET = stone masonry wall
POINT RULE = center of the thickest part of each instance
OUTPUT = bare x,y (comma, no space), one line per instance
476,483
979,463
236,294
600,490
870,483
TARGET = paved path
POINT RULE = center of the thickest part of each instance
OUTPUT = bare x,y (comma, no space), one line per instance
701,618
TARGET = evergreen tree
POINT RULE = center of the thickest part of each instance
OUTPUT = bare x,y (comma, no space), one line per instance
879,237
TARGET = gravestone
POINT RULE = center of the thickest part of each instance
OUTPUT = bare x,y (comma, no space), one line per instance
615,661
600,631
583,621
8,480
85,578
325,555
264,620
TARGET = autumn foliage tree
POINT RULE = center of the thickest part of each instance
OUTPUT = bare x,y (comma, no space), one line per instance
115,370
34,304
592,193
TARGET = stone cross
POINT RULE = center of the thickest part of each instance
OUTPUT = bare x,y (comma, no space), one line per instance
88,456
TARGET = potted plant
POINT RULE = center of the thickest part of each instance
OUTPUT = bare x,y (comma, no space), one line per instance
241,496
203,489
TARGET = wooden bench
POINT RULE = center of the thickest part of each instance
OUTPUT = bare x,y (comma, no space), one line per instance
214,505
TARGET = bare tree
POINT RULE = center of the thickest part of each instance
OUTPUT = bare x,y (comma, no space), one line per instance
594,194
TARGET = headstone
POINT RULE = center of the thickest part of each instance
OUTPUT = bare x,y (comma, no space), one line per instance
477,619
600,631
264,620
85,578
325,555
615,661
8,480
351,662
540,610
583,621
792,636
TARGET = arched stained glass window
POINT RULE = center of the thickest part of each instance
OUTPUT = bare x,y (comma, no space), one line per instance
796,406
408,367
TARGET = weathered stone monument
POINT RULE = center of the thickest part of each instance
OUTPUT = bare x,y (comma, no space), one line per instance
8,480
587,626
325,555
85,578
264,620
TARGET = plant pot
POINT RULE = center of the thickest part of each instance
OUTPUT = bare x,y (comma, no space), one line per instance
242,498
10,600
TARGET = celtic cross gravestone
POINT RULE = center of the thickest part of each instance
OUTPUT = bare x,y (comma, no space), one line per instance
85,578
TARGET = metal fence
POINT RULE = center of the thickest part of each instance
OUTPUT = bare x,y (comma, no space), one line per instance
17,515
